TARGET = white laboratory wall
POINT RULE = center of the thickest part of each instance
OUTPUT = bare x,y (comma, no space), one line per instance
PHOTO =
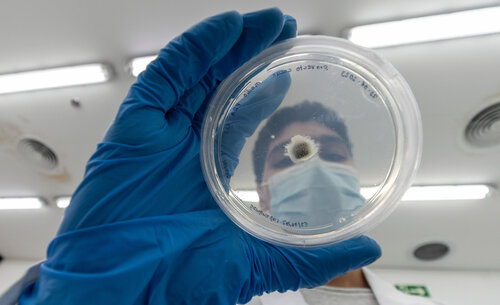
11,271
450,287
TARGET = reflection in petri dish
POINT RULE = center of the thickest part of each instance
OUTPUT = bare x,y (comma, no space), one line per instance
293,135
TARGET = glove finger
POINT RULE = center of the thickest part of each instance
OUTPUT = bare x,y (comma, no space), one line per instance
282,269
289,29
180,65
260,29
255,26
186,59
247,115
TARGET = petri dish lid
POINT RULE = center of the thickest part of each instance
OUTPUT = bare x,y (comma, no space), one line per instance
311,142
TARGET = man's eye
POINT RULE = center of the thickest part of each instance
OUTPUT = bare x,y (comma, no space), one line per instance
283,163
333,157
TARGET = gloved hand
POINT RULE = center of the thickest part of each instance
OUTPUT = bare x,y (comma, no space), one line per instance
142,227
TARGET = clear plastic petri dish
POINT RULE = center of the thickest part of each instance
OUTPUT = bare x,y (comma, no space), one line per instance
311,142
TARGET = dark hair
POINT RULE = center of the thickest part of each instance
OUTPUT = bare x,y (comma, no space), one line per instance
303,112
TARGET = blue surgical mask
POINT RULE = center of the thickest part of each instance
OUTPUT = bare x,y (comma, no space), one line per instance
315,194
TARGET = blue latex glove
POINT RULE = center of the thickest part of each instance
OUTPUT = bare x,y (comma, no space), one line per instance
142,227
246,116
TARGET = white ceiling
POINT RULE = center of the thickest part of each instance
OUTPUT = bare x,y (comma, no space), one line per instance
451,80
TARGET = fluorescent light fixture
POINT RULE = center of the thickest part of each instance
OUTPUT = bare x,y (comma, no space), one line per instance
367,192
430,28
248,196
63,202
139,64
414,193
446,192
253,196
54,78
21,203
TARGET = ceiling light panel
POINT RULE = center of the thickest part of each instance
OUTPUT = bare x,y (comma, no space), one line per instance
27,203
63,202
446,192
414,193
139,64
430,28
54,78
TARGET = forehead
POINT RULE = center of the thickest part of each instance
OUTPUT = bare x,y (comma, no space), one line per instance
311,129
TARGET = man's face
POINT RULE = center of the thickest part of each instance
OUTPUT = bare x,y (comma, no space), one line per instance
332,148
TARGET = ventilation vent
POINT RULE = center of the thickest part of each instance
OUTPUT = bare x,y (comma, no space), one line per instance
37,154
484,128
431,251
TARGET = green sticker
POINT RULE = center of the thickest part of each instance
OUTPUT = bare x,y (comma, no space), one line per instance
418,290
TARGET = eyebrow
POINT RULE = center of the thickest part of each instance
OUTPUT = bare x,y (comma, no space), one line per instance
321,139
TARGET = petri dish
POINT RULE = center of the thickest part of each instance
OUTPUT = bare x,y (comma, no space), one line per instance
311,142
